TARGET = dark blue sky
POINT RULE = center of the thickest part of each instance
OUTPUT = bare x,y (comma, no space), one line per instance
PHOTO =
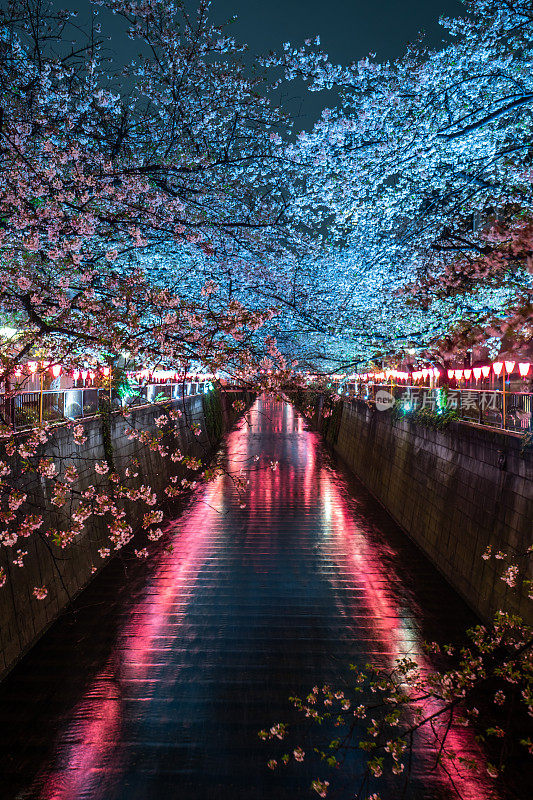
349,30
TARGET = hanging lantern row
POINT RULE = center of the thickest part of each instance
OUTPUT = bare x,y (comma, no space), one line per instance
56,369
381,376
426,373
458,374
156,374
32,367
397,375
83,374
497,367
168,375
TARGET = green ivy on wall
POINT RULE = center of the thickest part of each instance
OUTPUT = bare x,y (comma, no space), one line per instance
213,415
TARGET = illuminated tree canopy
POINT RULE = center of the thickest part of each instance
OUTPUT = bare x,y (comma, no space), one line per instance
422,173
402,216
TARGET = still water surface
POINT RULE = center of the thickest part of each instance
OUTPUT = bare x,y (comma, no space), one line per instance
157,685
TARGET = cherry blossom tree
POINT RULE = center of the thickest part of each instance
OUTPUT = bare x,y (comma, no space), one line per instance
422,172
422,176
93,170
461,709
102,169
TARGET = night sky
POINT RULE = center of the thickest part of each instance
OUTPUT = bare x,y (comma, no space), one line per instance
349,29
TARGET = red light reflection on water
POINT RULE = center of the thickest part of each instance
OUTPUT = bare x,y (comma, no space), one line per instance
169,593
93,758
95,735
89,750
394,626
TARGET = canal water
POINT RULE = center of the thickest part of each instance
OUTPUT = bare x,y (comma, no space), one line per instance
157,683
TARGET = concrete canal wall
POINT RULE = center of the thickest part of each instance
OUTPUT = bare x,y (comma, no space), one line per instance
23,618
454,492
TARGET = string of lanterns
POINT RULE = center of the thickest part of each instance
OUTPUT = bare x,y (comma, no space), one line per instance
497,367
461,373
32,368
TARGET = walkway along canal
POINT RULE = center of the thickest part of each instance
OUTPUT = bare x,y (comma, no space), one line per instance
156,685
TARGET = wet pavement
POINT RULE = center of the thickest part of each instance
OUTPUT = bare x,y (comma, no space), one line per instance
156,685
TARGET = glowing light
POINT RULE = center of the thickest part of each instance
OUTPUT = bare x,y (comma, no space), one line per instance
8,333
497,367
458,374
451,373
486,371
436,372
509,366
32,366
477,373
56,370
468,373
523,368
106,371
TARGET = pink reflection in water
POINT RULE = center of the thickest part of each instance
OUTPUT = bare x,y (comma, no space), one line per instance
393,626
89,752
170,591
89,755
94,734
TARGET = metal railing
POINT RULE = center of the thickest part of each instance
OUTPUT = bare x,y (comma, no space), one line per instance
30,409
512,411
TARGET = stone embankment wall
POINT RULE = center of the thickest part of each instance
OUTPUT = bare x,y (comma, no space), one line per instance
455,492
23,618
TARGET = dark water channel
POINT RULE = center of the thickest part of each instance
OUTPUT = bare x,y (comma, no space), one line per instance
156,686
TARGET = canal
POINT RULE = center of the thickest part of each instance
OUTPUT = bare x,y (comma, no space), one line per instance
156,684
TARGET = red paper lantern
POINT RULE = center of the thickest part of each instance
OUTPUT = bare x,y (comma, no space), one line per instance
523,368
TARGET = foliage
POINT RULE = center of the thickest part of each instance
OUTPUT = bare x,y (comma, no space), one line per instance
435,419
331,418
212,405
388,713
103,164
526,443
91,177
422,176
